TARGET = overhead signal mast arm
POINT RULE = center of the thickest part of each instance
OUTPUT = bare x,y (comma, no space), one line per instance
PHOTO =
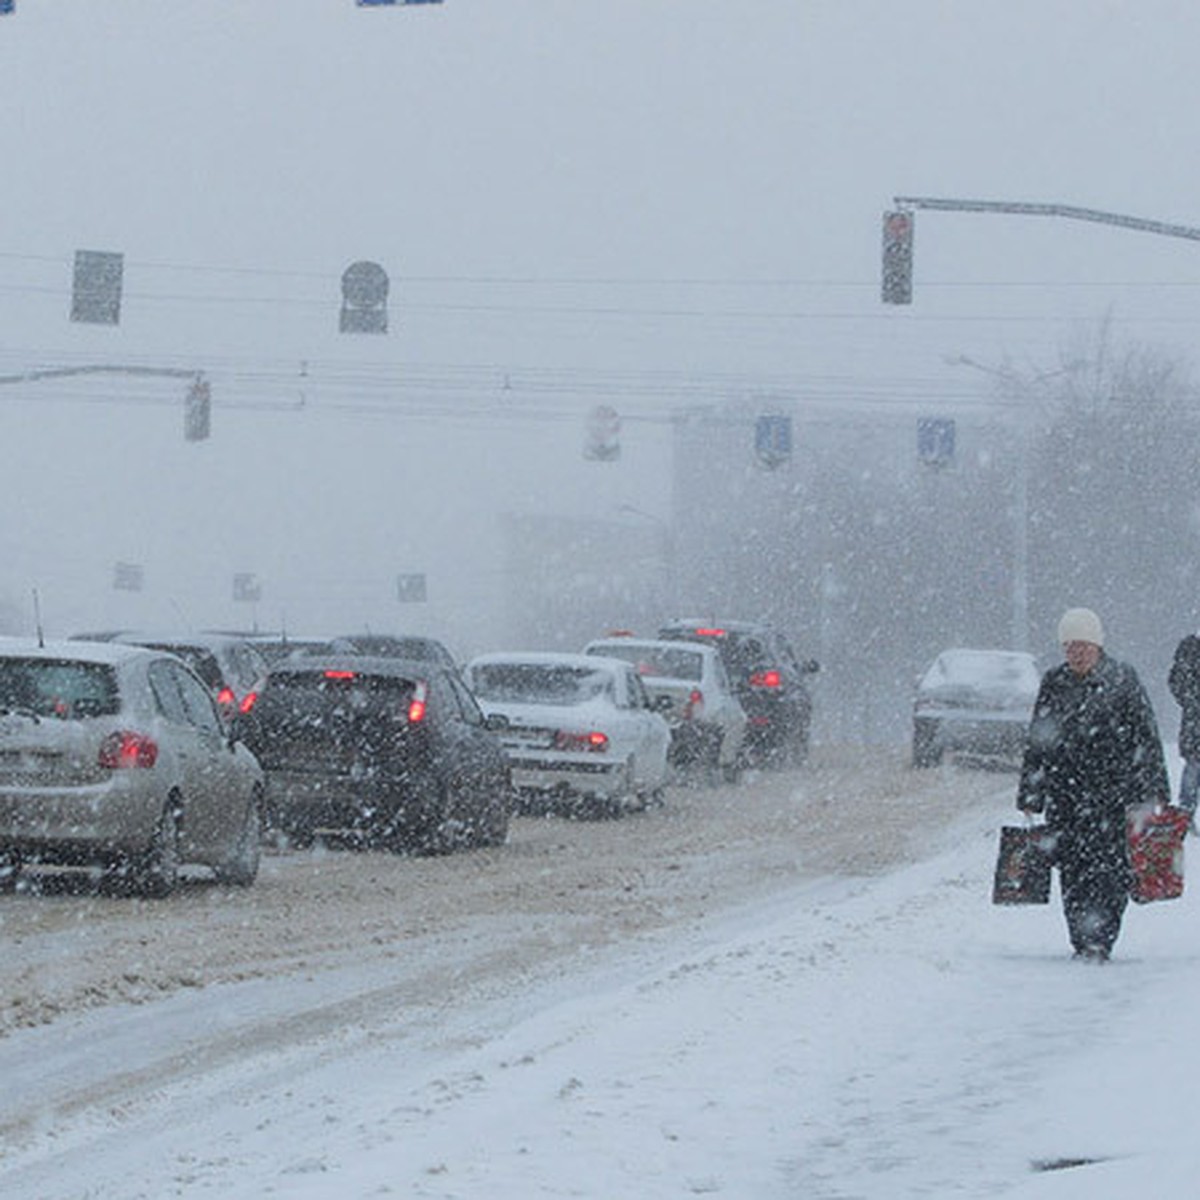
898,230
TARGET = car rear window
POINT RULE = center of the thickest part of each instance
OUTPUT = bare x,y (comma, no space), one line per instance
55,688
656,661
537,683
334,692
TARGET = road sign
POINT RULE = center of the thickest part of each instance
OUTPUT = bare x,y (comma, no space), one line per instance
128,577
96,291
935,441
364,298
247,588
410,589
773,440
6,6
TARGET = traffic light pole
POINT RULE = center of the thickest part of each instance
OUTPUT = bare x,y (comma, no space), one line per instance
196,404
1049,210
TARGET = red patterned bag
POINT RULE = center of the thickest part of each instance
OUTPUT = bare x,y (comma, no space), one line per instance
1156,853
1023,865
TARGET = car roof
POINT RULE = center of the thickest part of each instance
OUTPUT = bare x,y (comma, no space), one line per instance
546,658
360,664
672,644
111,653
211,641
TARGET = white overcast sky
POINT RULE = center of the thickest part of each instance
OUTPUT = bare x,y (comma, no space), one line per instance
642,201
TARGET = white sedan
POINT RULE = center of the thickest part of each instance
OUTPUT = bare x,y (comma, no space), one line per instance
689,684
577,729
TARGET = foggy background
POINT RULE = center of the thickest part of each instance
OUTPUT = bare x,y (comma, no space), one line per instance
669,207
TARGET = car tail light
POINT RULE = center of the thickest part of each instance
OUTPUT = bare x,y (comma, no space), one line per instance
225,697
593,740
710,632
417,705
766,679
124,748
693,710
249,700
339,674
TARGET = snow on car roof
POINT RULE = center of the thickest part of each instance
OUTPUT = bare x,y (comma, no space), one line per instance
546,658
96,652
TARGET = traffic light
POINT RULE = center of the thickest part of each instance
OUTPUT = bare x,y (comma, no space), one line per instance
197,411
364,298
897,257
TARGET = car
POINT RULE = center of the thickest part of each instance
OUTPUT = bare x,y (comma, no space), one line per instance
115,756
978,702
581,732
769,679
228,664
692,690
387,752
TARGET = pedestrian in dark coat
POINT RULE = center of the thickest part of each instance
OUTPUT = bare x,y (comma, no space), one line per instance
1093,752
1184,681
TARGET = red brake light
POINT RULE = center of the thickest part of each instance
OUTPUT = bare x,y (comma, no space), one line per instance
766,679
417,705
225,697
706,632
249,700
694,708
124,748
594,740
339,674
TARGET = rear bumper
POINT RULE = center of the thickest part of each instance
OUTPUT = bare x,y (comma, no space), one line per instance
79,825
575,774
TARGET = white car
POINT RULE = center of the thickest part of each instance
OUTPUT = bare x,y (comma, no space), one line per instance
578,729
976,702
116,757
689,682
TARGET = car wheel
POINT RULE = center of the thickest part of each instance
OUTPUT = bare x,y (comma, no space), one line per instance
156,873
241,868
925,749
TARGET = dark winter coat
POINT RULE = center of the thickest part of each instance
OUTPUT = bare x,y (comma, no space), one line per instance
1093,751
1184,681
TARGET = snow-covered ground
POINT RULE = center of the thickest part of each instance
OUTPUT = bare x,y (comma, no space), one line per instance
890,1036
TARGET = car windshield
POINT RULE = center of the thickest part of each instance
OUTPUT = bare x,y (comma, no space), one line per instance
538,683
667,662
61,689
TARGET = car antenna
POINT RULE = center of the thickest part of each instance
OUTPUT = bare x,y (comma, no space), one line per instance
37,620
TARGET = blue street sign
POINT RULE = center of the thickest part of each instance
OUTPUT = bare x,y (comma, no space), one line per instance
935,441
773,440
6,6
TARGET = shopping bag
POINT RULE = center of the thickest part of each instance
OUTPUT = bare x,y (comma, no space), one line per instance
1023,866
1156,853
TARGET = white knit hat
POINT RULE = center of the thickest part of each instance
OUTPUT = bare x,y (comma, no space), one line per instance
1080,625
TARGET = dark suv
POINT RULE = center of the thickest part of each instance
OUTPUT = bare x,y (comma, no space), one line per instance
770,682
390,752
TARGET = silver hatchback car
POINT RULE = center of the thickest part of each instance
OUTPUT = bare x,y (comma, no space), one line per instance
116,757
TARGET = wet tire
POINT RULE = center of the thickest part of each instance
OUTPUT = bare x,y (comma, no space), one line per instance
156,872
241,868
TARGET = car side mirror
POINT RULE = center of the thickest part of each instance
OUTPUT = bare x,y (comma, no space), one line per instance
811,666
662,704
495,721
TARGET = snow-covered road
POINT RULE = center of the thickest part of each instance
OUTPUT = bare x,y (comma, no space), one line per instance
863,1024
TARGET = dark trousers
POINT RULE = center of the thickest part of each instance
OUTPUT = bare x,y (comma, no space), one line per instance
1095,891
